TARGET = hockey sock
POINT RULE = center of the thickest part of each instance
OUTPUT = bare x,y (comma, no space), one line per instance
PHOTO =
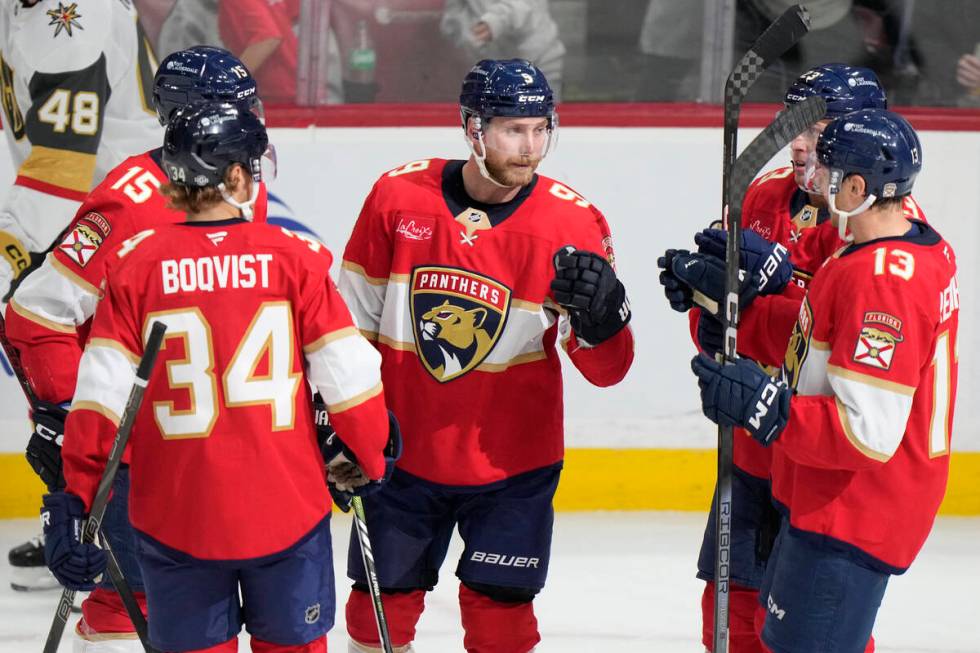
492,626
402,610
103,612
318,645
742,604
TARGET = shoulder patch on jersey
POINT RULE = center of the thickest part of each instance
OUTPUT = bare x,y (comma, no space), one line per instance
64,18
98,220
81,244
457,318
415,228
876,346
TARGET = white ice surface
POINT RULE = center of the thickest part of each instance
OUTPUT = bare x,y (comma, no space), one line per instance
619,582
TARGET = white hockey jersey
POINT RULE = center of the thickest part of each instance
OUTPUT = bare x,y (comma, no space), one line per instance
77,79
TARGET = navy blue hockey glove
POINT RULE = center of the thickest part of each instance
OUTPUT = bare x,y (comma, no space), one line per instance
705,276
44,447
585,285
711,337
678,294
768,264
345,479
74,564
741,394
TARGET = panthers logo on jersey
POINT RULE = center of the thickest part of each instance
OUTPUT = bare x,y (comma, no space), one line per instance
799,345
457,318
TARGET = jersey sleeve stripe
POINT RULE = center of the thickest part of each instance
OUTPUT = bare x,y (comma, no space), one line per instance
345,369
370,335
867,379
71,275
105,377
97,408
117,346
51,189
354,401
350,266
37,319
820,344
62,169
395,344
525,305
326,339
873,419
516,360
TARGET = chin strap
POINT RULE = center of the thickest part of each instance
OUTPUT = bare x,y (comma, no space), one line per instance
248,207
481,159
842,216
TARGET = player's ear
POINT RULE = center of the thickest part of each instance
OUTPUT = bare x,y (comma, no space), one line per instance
859,185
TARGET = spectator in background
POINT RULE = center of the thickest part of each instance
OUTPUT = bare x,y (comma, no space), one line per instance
507,29
260,33
414,63
968,75
152,15
189,23
671,40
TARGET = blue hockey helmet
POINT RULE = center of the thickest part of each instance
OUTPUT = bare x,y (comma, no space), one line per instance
877,144
513,88
205,139
844,88
203,73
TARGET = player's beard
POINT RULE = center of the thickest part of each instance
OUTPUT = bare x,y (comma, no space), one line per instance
512,171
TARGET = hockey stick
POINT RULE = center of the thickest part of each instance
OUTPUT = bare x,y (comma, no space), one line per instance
367,555
125,592
14,359
777,39
787,125
94,521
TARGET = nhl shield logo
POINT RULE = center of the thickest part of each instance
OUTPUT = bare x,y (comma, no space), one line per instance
457,318
312,614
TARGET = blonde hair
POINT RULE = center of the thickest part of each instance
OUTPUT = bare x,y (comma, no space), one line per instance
193,199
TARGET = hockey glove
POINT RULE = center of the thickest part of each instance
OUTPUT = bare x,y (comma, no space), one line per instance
711,337
44,447
705,276
741,394
345,478
74,564
768,264
585,284
678,294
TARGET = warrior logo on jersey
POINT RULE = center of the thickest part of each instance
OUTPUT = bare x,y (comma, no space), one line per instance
81,244
457,318
875,346
65,18
473,220
799,345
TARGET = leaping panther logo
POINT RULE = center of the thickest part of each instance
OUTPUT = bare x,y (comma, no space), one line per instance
457,317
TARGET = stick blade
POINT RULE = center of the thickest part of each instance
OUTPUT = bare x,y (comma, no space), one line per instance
782,34
787,125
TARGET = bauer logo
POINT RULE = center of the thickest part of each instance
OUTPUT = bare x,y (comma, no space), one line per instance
525,562
457,318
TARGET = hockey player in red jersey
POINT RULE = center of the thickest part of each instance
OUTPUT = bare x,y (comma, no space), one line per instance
252,319
869,378
783,208
466,274
48,317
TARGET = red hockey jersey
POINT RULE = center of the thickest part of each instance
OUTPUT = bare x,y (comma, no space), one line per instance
780,212
224,458
47,317
865,455
457,298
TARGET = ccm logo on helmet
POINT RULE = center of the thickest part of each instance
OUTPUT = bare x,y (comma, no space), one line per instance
530,98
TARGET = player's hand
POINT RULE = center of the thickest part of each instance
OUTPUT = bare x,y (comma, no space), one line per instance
76,565
585,285
768,264
345,478
741,394
44,447
705,276
678,294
